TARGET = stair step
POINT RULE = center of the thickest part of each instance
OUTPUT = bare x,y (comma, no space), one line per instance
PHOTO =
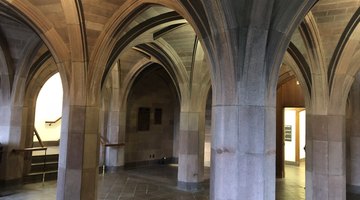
49,158
39,167
40,173
37,177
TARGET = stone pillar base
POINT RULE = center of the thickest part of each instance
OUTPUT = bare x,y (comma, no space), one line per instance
111,169
189,186
353,189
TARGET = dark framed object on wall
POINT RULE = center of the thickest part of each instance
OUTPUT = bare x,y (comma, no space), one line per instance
157,116
143,119
288,133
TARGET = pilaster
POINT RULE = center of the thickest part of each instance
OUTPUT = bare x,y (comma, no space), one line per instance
191,150
325,157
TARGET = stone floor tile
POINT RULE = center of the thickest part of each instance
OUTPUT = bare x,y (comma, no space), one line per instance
156,183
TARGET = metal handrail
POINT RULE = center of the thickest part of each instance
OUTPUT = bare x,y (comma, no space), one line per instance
104,144
31,149
103,141
114,145
52,122
38,137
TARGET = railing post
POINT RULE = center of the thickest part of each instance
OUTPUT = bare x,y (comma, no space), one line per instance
105,145
31,150
38,137
44,168
104,161
102,142
53,122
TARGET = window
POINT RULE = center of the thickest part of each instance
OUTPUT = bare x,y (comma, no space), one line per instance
143,119
157,116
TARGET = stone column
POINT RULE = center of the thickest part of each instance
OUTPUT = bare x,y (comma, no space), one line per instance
115,156
103,113
243,152
248,52
79,142
79,152
191,150
11,164
353,133
325,157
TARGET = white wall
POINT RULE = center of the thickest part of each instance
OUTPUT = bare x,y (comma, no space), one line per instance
207,154
290,119
290,146
207,146
302,127
49,108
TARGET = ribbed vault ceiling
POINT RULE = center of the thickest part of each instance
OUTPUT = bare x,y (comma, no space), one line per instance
175,35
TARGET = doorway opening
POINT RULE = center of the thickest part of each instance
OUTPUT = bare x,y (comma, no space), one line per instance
294,135
48,112
47,129
294,150
207,146
291,132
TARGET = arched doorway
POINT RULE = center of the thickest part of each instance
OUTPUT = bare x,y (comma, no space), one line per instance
48,112
291,136
152,106
43,164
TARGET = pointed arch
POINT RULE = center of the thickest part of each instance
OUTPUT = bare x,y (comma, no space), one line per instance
310,33
28,14
344,64
348,39
296,61
106,43
6,74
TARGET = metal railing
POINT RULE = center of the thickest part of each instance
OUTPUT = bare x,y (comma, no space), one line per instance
38,137
32,149
105,144
53,122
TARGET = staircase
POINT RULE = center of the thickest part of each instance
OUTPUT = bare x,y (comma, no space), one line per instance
38,168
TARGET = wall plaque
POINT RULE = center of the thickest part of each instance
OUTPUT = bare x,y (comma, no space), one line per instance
288,133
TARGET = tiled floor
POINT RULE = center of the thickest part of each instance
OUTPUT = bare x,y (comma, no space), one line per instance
31,192
293,185
155,183
137,186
